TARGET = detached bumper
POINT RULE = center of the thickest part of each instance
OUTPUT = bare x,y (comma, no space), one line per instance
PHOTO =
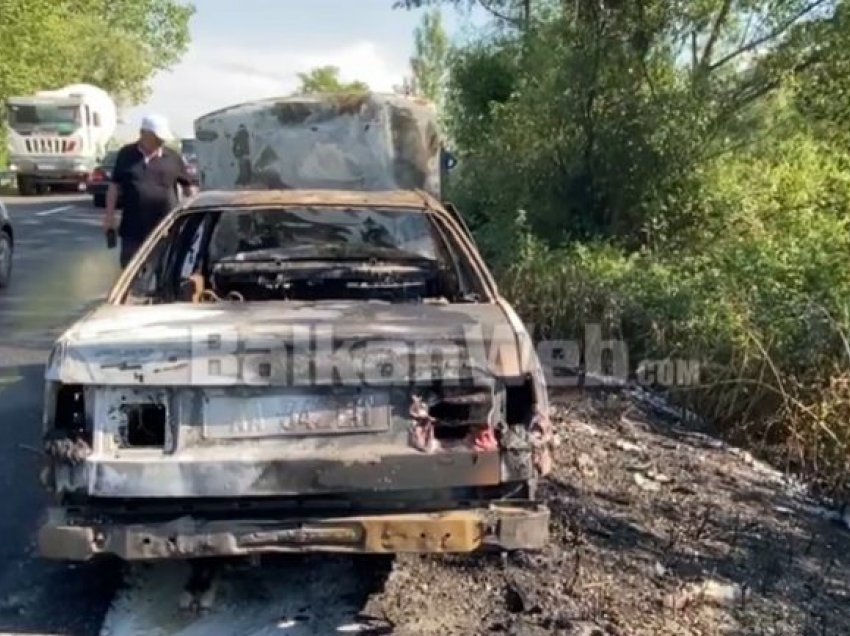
506,526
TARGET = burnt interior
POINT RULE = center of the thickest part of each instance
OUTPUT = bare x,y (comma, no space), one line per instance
145,425
459,413
69,416
310,253
519,402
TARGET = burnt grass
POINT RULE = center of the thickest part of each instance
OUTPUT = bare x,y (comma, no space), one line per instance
643,511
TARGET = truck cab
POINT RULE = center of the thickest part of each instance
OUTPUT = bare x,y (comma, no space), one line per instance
56,138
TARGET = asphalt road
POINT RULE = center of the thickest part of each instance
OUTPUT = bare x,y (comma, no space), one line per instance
61,267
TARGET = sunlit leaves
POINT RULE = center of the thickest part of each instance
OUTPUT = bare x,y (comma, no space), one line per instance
325,79
430,59
116,44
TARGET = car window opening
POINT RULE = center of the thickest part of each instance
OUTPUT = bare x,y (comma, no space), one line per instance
304,254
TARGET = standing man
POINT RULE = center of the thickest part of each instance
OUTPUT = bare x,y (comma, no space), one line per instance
146,175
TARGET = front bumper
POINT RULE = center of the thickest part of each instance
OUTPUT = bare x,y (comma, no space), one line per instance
520,525
51,169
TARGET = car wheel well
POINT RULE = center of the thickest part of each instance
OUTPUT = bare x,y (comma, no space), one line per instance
7,229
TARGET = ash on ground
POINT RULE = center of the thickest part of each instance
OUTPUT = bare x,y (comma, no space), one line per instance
657,530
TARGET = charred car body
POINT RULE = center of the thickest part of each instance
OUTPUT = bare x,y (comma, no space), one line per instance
297,370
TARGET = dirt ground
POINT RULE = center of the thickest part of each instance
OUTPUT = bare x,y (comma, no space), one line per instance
657,529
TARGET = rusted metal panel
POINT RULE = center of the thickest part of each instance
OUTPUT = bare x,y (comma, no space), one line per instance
207,473
350,142
457,531
273,198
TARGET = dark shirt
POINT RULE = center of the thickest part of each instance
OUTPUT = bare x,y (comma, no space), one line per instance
148,189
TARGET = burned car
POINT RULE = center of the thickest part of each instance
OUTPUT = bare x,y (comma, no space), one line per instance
297,371
310,355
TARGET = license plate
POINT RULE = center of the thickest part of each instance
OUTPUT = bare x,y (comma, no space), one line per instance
46,166
288,415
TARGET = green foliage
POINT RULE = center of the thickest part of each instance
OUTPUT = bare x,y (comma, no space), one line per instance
603,123
115,44
514,13
325,79
429,63
679,172
763,302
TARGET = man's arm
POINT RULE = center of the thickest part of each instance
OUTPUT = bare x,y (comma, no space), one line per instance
109,220
112,192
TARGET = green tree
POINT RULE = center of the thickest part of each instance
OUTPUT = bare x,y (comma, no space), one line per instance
116,44
515,13
683,168
599,119
325,79
429,63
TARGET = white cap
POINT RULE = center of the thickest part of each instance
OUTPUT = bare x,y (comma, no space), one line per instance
158,125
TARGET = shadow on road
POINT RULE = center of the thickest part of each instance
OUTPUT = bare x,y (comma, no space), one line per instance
37,597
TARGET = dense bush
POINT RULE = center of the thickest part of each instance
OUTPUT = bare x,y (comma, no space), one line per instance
763,301
678,173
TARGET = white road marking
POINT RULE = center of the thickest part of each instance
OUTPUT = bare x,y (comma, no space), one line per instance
81,221
61,208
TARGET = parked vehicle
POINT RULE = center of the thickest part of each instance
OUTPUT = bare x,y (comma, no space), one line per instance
188,147
55,138
192,166
287,369
98,181
292,371
7,246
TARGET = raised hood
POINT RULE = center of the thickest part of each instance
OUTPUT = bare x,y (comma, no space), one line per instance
278,343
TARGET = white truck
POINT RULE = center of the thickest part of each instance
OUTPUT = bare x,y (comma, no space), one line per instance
57,137
343,142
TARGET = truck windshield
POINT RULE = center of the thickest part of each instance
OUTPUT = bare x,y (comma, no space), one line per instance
27,116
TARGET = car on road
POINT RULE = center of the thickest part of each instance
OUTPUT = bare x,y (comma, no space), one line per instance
192,168
98,181
7,246
188,147
294,370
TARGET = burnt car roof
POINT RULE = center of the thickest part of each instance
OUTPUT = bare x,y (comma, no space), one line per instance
389,198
